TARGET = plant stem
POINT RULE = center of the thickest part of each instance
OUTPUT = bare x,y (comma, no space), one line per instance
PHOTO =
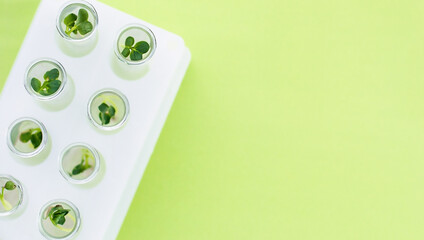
87,157
64,229
7,206
86,162
68,32
35,130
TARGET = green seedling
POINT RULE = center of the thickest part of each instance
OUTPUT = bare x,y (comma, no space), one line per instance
84,165
50,85
9,185
34,135
78,24
135,51
57,216
106,113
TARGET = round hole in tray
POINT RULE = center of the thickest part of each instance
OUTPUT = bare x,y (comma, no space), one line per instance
79,163
68,229
113,98
139,33
10,200
38,69
74,7
19,144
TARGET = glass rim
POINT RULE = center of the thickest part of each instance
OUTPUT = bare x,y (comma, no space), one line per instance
28,85
96,159
43,140
143,28
120,95
58,201
93,12
21,194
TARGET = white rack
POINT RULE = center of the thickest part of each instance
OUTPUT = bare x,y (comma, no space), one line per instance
126,153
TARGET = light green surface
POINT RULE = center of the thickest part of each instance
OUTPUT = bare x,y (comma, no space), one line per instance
296,120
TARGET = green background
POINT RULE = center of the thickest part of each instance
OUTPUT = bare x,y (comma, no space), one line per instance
296,120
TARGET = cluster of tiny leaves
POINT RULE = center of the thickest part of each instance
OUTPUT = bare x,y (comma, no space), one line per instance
57,215
78,24
81,167
106,113
135,51
33,135
50,85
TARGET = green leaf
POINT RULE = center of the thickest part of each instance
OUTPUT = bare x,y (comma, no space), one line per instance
61,217
105,118
57,215
111,111
125,52
78,168
85,28
103,107
25,136
53,86
70,20
52,74
142,47
82,16
106,113
36,139
135,56
35,84
129,41
10,185
81,167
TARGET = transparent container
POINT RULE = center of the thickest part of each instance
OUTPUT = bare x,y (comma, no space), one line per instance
77,44
70,226
38,69
124,66
10,200
113,98
27,137
79,163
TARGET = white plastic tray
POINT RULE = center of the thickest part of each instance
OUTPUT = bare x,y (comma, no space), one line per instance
102,207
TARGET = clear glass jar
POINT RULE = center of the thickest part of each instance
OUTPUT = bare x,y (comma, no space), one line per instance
10,199
79,163
37,69
113,98
70,226
75,43
27,137
139,33
123,66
